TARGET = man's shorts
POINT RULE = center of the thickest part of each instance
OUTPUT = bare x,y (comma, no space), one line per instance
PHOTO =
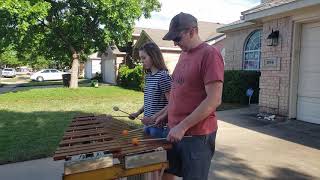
191,157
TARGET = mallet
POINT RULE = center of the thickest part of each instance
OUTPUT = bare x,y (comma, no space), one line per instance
136,141
115,108
126,132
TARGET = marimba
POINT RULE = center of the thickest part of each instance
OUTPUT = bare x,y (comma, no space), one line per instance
93,147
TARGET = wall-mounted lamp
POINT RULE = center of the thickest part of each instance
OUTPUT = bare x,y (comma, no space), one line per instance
273,38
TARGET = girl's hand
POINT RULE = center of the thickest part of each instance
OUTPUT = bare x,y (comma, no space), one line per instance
147,121
161,120
133,116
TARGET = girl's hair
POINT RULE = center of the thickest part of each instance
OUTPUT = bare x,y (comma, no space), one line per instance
155,55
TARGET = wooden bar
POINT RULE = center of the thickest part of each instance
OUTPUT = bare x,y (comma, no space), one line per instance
104,135
90,134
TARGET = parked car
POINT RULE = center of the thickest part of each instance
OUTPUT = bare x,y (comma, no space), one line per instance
47,74
8,72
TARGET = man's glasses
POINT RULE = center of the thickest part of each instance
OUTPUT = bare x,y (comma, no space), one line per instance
177,39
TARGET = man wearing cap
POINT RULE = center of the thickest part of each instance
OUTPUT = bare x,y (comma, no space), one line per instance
195,94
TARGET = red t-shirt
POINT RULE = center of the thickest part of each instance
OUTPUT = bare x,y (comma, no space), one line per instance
195,68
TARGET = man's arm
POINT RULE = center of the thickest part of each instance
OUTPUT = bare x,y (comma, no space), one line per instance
206,107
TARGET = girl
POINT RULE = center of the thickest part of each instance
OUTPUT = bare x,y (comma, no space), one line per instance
157,87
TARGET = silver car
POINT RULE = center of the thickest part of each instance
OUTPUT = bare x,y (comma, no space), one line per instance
8,72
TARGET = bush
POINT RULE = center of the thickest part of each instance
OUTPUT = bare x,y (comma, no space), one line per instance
236,84
131,78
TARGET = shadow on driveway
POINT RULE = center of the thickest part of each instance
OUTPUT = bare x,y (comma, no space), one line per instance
227,166
296,131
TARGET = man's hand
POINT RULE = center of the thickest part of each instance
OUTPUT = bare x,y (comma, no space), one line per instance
176,134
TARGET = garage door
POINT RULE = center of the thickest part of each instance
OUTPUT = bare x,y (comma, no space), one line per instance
308,105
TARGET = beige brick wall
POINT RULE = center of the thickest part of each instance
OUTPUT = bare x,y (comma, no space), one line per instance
274,84
171,60
234,44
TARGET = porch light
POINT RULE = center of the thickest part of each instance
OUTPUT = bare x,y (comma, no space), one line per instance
273,38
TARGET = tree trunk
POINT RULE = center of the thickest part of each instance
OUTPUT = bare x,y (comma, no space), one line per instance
74,71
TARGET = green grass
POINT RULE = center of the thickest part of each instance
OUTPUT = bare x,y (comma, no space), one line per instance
33,121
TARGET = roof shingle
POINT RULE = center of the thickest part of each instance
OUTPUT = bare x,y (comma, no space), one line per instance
207,31
267,5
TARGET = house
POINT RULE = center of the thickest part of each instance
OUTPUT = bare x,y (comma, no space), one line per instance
281,39
171,53
110,61
106,63
92,66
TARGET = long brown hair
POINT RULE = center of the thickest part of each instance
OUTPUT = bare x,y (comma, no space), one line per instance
155,55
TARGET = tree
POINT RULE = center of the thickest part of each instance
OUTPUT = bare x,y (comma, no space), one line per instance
8,57
72,28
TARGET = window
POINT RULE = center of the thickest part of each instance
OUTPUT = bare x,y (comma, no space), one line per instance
46,71
252,51
54,71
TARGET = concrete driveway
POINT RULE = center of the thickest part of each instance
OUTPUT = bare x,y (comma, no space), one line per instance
246,149
252,149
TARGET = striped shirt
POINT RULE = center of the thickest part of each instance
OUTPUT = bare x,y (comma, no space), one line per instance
156,86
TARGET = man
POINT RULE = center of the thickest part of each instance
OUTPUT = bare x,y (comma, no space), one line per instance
195,94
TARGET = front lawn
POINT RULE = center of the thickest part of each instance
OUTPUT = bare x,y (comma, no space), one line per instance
33,121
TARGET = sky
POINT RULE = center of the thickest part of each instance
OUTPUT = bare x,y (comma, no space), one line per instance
218,11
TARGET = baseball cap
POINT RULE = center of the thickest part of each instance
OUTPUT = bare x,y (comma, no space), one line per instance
180,22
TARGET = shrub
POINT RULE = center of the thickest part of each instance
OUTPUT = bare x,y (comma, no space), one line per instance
236,84
131,78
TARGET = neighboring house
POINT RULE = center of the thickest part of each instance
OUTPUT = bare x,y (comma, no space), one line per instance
280,38
92,66
106,63
111,60
171,53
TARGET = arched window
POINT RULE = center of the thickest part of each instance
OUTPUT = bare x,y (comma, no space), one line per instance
252,51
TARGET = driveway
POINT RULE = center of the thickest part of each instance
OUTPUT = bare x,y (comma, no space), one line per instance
251,149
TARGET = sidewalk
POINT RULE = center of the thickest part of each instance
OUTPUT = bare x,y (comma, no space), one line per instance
41,169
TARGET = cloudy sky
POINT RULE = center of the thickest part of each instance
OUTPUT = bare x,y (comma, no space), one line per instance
221,11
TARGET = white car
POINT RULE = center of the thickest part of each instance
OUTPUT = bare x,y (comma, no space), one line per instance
47,74
8,72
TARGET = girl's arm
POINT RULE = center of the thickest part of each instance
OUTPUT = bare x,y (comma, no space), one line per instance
136,114
163,113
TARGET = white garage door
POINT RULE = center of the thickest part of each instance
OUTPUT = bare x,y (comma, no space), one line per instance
308,106
109,71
